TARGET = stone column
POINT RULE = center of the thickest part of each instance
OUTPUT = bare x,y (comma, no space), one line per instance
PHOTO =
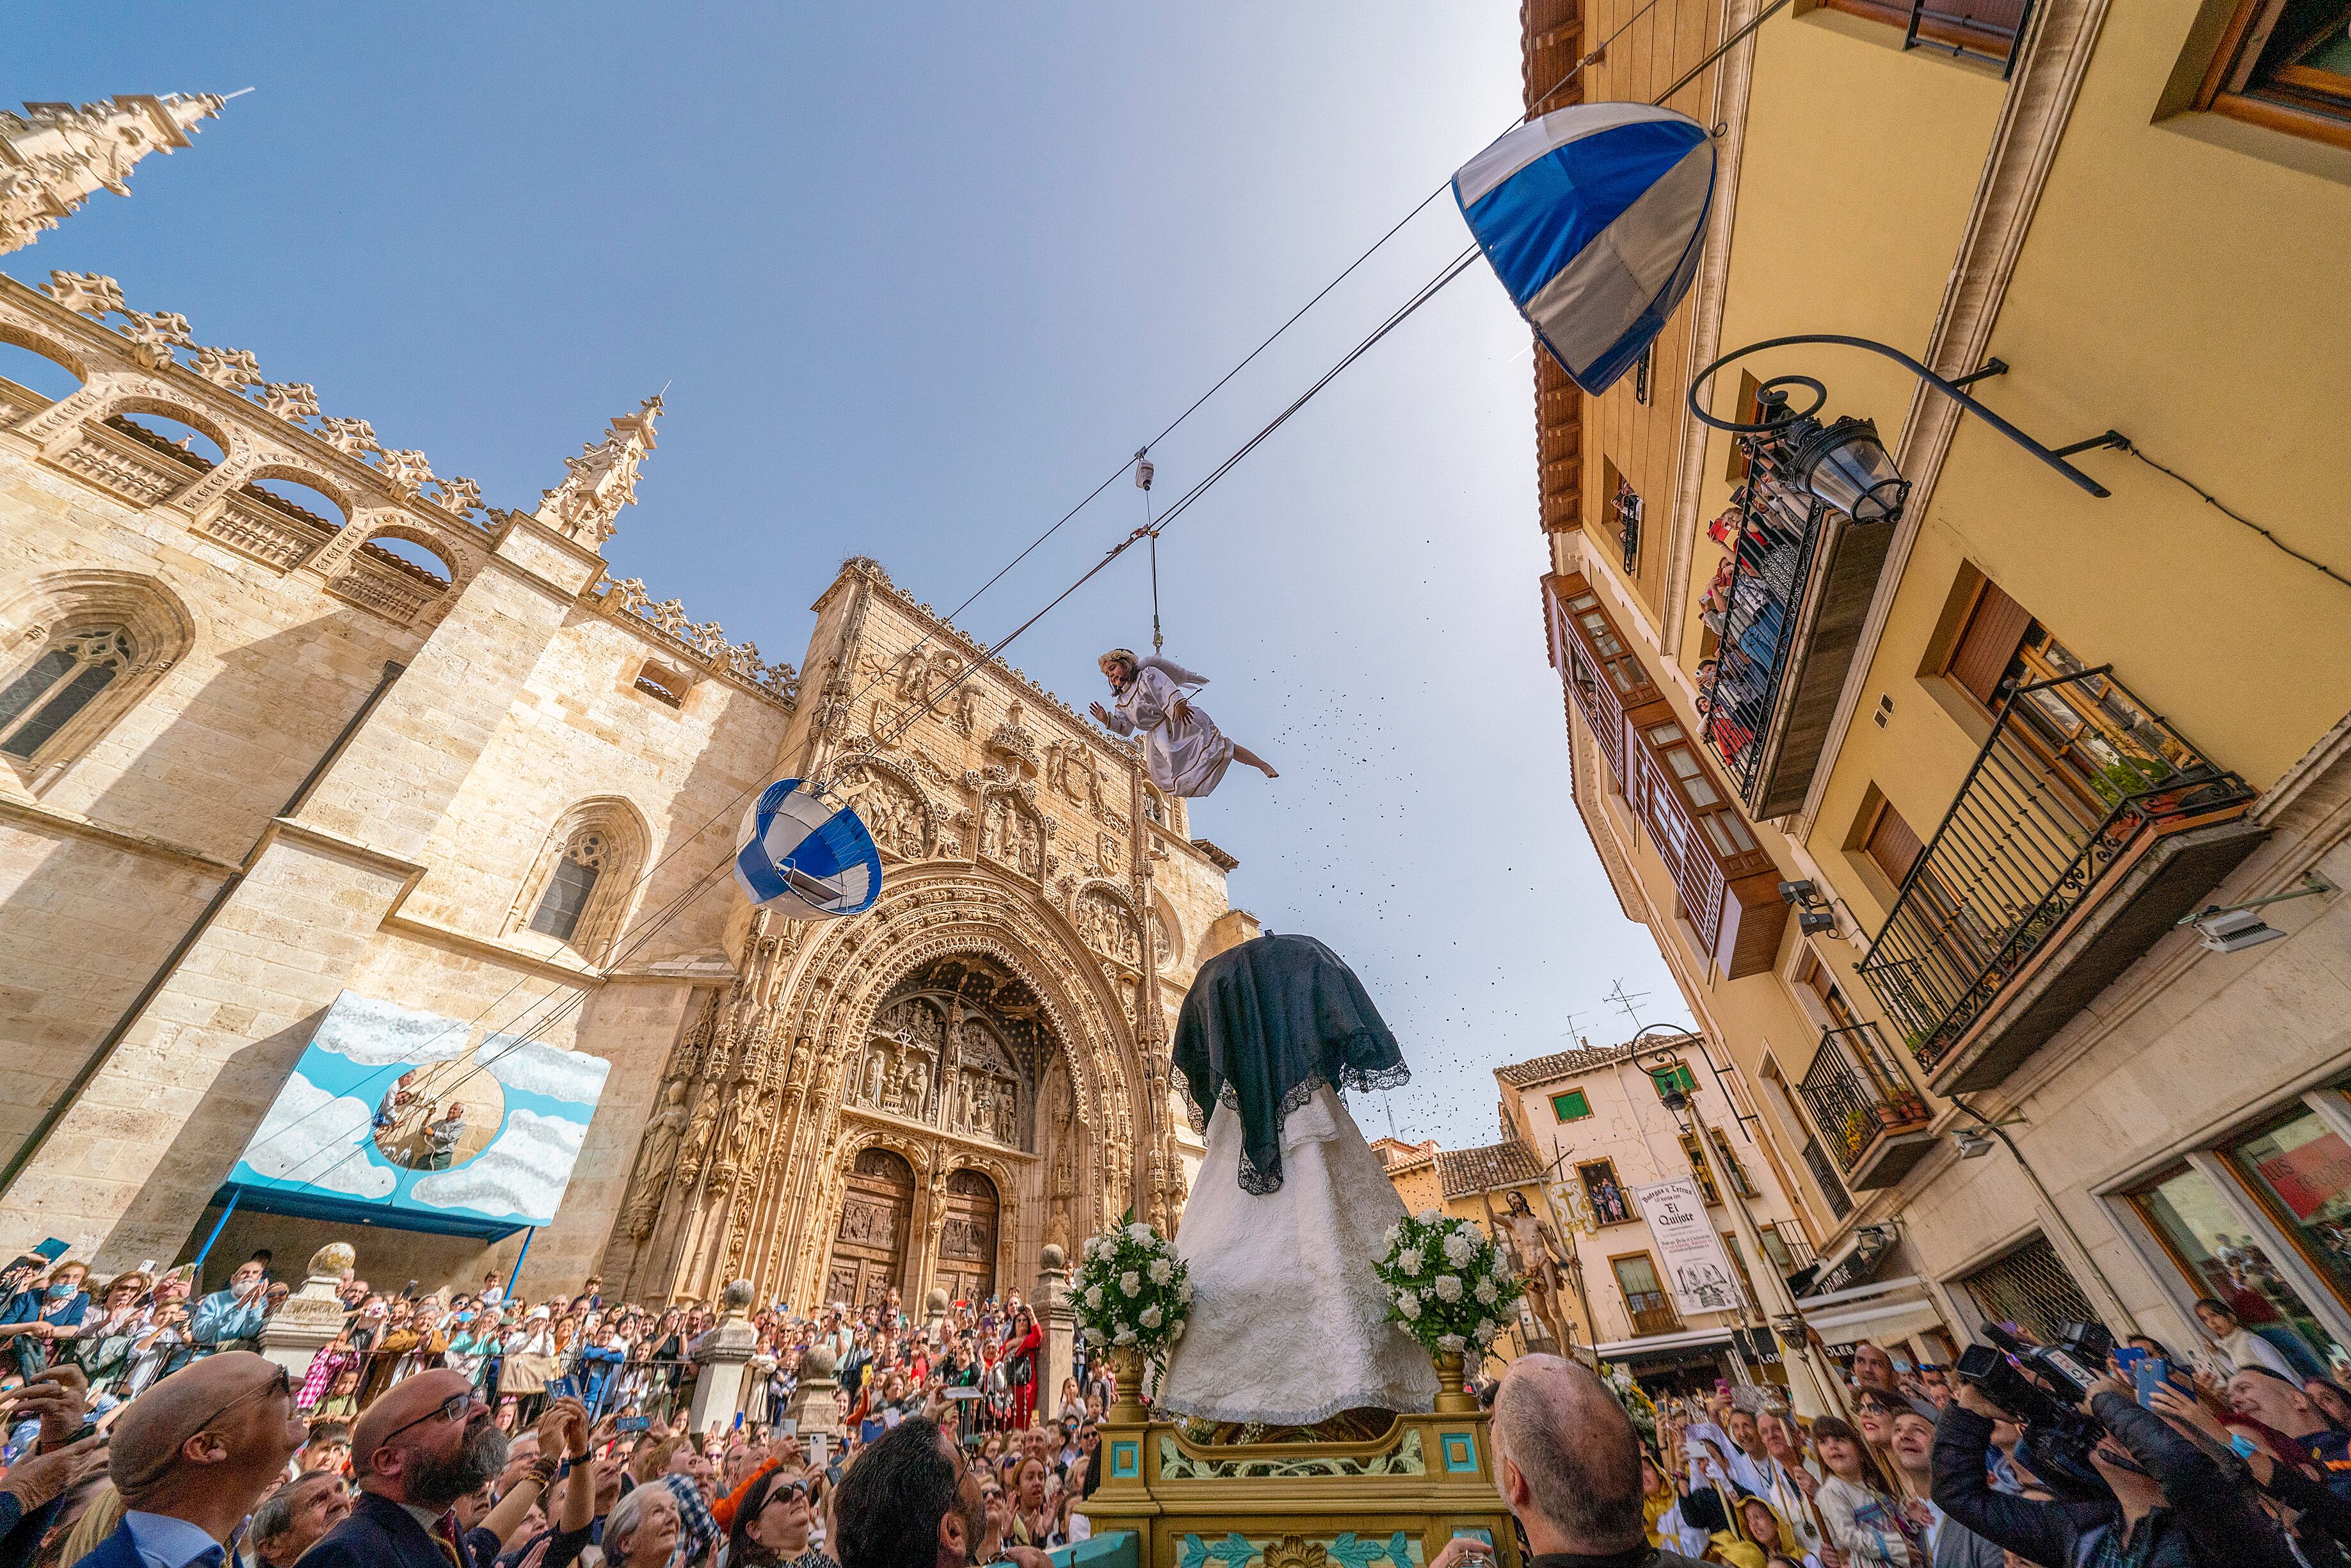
935,1314
815,1403
309,1318
1052,1304
721,1354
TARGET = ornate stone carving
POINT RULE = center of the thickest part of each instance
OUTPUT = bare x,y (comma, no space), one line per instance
626,597
1012,834
356,436
1107,924
603,478
54,155
232,368
293,401
892,806
85,293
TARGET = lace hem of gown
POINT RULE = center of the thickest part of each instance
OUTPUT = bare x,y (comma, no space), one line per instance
1358,1079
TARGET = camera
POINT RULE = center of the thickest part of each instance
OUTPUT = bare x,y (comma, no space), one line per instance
2042,1385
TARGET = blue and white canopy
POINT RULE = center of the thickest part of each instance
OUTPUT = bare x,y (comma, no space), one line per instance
1592,217
804,859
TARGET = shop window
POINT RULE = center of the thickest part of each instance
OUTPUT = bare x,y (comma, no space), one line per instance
2031,1288
2286,65
2220,1258
1572,1106
1605,1194
2301,1171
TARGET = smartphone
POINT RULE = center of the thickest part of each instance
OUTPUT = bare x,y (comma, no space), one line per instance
632,1424
49,1252
2127,1357
815,1450
1474,1533
2152,1373
738,1420
787,1428
562,1388
962,1393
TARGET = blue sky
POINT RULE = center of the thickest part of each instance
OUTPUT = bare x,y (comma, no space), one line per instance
917,278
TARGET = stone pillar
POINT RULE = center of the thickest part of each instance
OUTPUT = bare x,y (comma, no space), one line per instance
935,1314
815,1403
1052,1304
721,1354
309,1318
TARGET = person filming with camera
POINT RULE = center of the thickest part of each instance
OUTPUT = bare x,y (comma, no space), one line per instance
2138,1494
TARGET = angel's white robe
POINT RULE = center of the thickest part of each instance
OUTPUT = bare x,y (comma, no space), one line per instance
1185,757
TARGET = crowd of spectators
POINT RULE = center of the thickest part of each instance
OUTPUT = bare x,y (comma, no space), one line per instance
471,1429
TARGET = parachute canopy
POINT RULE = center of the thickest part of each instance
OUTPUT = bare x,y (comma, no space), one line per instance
1590,216
803,859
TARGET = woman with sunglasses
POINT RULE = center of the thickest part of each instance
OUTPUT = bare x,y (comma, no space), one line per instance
773,1526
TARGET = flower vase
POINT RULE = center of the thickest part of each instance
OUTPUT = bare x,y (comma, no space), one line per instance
1126,1377
1452,1396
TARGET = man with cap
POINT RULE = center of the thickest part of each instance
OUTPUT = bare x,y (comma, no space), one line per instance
425,1443
193,1455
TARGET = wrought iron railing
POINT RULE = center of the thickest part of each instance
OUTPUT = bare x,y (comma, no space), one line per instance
1856,1093
1832,1185
2075,771
1990,30
1756,623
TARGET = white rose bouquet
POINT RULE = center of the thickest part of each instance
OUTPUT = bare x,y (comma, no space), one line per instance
1447,1284
1132,1289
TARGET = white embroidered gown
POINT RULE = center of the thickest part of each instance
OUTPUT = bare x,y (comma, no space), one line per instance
1289,1321
1185,757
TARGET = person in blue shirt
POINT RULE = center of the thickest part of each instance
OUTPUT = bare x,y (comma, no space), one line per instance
34,1315
231,1319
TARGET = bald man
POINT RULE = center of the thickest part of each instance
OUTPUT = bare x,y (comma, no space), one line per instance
427,1442
193,1455
1568,1464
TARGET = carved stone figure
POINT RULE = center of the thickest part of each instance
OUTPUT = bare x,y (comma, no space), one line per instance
655,1156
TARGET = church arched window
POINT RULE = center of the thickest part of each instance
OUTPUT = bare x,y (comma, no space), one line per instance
580,890
71,672
77,654
572,884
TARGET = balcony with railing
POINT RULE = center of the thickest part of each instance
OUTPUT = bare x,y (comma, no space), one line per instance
1832,1185
1726,887
2086,828
1876,1124
1787,606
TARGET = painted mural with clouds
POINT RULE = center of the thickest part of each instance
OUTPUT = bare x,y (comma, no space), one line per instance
393,1109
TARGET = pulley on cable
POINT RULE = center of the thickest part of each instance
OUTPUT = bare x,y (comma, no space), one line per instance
1142,473
803,859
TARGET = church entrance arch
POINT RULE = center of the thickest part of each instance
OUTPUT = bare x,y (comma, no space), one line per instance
869,1246
966,1261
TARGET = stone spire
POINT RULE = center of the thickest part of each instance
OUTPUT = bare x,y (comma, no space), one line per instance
603,478
55,154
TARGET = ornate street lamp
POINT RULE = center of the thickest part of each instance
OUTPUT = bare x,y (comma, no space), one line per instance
1844,462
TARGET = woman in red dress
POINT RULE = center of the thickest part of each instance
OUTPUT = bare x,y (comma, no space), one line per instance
1023,1347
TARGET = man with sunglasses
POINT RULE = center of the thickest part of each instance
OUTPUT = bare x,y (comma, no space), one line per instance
193,1455
427,1442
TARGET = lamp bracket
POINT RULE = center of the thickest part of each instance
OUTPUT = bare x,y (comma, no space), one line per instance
2312,886
2114,438
1995,366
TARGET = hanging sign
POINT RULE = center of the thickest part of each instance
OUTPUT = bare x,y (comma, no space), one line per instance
1689,1254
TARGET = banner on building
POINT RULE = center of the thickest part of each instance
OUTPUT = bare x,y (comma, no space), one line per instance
1689,1254
397,1117
1571,1208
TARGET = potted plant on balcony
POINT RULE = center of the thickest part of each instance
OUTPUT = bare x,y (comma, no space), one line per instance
1860,1126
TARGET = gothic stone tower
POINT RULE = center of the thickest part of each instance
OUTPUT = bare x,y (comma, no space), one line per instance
927,1095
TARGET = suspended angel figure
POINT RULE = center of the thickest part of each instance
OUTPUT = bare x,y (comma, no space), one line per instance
1183,749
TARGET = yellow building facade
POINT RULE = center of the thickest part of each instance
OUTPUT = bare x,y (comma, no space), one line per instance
1916,805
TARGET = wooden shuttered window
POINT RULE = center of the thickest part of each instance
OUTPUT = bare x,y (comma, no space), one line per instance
1892,845
1988,645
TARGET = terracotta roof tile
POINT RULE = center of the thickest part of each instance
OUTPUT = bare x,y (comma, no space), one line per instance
1464,1172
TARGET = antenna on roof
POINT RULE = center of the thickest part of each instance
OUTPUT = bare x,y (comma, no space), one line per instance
1627,1005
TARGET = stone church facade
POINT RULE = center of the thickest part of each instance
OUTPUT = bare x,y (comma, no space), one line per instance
284,714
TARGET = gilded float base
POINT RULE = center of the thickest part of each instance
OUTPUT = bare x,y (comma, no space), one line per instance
1391,1500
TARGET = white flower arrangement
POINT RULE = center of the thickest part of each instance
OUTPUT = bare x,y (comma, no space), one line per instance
1447,1283
1133,1288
